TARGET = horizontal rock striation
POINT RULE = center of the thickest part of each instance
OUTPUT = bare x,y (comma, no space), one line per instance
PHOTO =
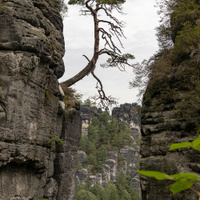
170,114
171,103
32,164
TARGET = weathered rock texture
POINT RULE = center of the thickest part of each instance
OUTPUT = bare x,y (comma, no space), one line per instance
130,113
31,107
171,104
170,114
161,127
87,113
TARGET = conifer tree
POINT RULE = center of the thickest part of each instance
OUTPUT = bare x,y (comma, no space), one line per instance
107,29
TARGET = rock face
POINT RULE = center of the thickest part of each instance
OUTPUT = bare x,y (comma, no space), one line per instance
170,114
171,104
87,113
160,129
32,116
111,168
130,113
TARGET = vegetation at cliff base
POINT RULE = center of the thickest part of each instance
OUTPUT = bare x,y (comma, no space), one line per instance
105,134
122,190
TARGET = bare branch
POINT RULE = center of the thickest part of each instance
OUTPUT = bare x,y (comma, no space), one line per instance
111,32
114,29
105,101
86,58
89,67
85,12
108,10
107,37
115,25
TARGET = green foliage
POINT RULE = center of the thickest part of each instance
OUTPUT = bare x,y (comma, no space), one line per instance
83,142
121,161
184,11
110,192
157,175
125,187
47,97
53,46
53,140
182,181
79,166
178,24
78,97
72,98
104,134
85,195
114,61
122,190
194,144
179,39
174,78
187,41
89,102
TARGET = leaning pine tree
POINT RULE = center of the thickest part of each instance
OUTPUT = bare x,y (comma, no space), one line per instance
102,13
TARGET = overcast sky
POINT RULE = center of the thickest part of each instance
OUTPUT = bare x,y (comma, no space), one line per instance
141,20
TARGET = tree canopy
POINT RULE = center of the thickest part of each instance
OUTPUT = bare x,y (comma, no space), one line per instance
122,190
105,134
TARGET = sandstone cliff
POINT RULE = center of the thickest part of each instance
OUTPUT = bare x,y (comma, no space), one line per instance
32,114
171,105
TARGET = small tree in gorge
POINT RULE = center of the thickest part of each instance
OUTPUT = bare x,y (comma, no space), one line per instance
105,29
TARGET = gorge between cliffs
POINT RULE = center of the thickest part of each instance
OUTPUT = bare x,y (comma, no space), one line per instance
41,126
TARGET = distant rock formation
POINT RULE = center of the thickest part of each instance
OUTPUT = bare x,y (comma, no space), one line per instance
87,113
130,113
32,113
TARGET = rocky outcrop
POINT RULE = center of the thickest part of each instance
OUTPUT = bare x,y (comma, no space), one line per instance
171,103
87,113
131,114
129,156
170,114
111,168
32,114
160,129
